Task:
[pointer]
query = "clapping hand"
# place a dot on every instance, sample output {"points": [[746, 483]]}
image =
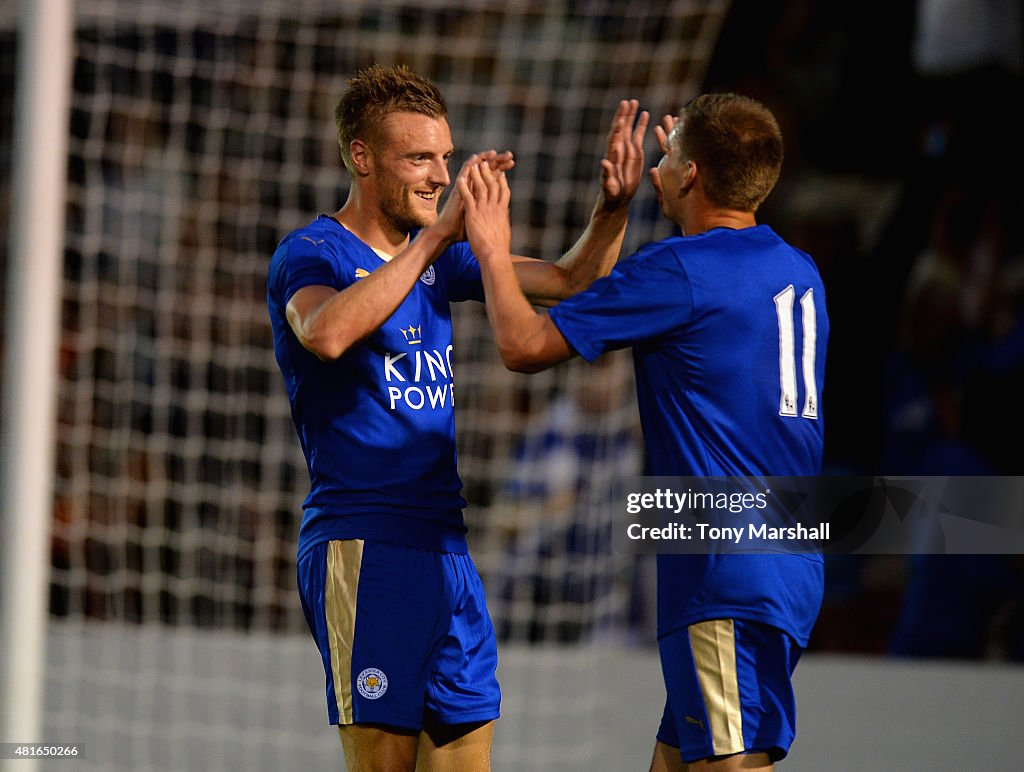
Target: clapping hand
{"points": [[485, 194], [623, 163], [451, 217], [661, 134]]}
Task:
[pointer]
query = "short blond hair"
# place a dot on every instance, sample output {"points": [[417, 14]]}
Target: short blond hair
{"points": [[376, 92], [736, 143]]}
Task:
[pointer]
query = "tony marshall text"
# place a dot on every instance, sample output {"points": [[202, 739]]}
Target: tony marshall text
{"points": [[735, 534]]}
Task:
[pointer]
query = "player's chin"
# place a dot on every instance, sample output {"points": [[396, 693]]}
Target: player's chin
{"points": [[427, 217]]}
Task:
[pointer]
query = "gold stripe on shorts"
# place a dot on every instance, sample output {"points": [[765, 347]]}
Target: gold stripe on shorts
{"points": [[714, 653], [341, 585]]}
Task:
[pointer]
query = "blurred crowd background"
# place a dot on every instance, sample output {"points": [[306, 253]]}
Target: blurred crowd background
{"points": [[902, 179]]}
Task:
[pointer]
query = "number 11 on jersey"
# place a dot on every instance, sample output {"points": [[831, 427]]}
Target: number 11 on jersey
{"points": [[787, 353]]}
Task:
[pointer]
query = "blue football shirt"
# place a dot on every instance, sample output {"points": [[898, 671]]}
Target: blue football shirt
{"points": [[377, 425], [729, 331]]}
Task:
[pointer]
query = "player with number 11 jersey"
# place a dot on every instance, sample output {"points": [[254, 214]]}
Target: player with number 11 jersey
{"points": [[729, 330]]}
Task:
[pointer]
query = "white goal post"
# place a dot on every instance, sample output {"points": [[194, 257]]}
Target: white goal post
{"points": [[30, 360]]}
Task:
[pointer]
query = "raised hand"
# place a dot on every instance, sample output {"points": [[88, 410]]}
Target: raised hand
{"points": [[451, 218], [661, 133], [499, 162], [486, 195], [622, 166]]}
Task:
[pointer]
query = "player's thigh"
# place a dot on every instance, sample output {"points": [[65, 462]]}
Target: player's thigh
{"points": [[371, 748], [729, 691], [667, 759], [455, 747]]}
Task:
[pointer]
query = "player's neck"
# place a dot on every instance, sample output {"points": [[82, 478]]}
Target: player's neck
{"points": [[709, 219], [362, 217]]}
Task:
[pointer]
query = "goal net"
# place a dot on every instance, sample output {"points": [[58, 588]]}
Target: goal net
{"points": [[201, 133]]}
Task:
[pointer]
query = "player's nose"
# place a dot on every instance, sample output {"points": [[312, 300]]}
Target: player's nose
{"points": [[439, 173]]}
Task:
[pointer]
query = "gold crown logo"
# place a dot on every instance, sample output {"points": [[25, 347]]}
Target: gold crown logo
{"points": [[412, 334]]}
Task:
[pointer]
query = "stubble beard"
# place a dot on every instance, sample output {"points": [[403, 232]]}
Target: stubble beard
{"points": [[400, 213]]}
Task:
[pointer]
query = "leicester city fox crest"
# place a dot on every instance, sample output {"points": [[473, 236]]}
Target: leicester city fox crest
{"points": [[372, 683]]}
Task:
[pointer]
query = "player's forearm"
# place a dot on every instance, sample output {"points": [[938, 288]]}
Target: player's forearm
{"points": [[595, 253], [355, 313], [545, 283], [520, 333]]}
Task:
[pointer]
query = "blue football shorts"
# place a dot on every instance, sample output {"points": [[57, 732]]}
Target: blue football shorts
{"points": [[403, 633], [729, 689]]}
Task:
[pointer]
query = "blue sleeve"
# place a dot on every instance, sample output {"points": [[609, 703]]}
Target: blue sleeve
{"points": [[302, 261], [462, 273], [647, 295]]}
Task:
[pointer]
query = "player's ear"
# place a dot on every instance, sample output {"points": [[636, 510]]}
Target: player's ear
{"points": [[361, 157]]}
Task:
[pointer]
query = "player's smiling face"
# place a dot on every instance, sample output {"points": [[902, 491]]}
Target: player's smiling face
{"points": [[411, 169]]}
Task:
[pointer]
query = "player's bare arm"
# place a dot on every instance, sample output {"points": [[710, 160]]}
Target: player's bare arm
{"points": [[526, 340], [598, 248], [328, 322]]}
